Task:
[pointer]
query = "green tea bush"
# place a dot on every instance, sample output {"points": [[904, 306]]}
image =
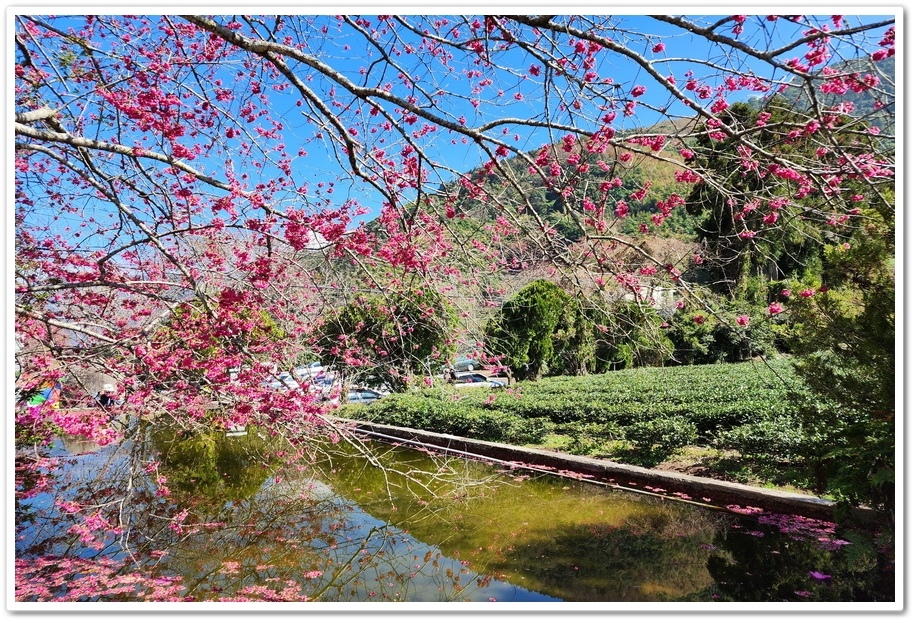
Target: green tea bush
{"points": [[589, 437], [412, 411], [453, 416], [714, 397], [491, 425], [657, 439], [750, 407], [779, 438]]}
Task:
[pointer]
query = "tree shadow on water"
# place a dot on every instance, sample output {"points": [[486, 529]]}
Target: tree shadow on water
{"points": [[761, 563], [596, 562]]}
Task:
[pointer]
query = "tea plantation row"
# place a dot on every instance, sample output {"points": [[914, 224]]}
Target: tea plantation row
{"points": [[641, 415]]}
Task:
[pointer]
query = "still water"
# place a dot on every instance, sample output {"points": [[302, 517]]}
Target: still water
{"points": [[397, 524]]}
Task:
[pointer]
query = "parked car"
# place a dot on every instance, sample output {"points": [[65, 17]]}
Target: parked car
{"points": [[466, 364], [281, 382], [313, 370], [476, 380], [363, 395], [357, 395]]}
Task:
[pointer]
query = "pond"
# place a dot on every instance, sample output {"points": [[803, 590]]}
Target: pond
{"points": [[243, 522]]}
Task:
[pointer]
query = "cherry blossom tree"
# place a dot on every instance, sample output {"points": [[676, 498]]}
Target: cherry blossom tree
{"points": [[194, 194]]}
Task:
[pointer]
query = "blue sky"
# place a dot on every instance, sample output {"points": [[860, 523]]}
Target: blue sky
{"points": [[679, 45], [347, 53]]}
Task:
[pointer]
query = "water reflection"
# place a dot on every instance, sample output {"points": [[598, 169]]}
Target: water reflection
{"points": [[274, 527], [570, 540], [78, 445], [240, 522], [210, 470], [779, 559]]}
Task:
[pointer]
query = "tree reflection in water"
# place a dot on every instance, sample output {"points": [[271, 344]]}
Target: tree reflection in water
{"points": [[781, 558], [240, 522]]}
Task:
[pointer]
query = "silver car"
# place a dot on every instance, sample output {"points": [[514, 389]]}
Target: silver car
{"points": [[476, 380], [363, 395]]}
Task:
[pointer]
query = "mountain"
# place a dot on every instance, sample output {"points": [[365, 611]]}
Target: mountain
{"points": [[877, 104]]}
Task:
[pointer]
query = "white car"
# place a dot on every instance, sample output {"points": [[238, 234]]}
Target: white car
{"points": [[281, 382], [476, 380], [363, 395], [310, 371]]}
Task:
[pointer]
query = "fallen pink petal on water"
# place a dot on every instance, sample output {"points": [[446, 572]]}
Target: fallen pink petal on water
{"points": [[820, 577]]}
